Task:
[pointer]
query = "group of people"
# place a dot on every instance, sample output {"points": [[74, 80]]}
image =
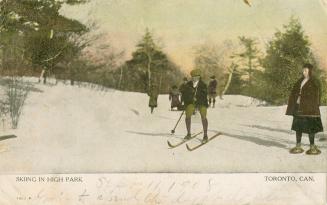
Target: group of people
{"points": [[192, 95], [303, 105], [176, 95]]}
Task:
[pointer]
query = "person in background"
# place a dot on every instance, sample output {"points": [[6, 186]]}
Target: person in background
{"points": [[153, 93], [174, 98], [212, 91], [303, 105]]}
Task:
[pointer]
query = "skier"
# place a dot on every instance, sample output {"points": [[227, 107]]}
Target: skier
{"points": [[182, 90], [303, 105], [174, 98], [195, 96], [153, 94], [212, 91]]}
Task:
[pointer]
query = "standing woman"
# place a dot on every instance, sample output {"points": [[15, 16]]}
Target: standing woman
{"points": [[303, 105]]}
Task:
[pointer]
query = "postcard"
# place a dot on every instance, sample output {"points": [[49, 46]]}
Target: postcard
{"points": [[163, 102]]}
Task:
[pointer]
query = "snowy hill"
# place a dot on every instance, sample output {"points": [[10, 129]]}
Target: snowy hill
{"points": [[66, 129]]}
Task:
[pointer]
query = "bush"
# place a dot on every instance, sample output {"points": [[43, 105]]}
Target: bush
{"points": [[16, 93]]}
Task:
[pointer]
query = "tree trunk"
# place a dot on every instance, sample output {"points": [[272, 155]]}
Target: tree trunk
{"points": [[72, 76], [160, 82], [149, 71], [228, 81], [4, 59], [250, 70], [41, 75], [120, 78]]}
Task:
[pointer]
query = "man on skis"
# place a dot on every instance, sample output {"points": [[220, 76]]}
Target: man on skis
{"points": [[195, 96], [212, 90]]}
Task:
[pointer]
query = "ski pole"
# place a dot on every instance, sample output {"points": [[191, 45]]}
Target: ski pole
{"points": [[173, 130]]}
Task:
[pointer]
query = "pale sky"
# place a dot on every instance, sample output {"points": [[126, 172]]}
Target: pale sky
{"points": [[179, 25]]}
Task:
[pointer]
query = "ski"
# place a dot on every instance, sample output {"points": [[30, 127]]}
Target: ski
{"points": [[5, 137], [183, 141], [203, 143]]}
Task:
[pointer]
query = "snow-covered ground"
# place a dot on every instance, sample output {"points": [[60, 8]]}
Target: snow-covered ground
{"points": [[71, 129]]}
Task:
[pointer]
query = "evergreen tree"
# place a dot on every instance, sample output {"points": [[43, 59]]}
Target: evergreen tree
{"points": [[249, 64], [44, 36], [12, 26], [286, 54], [149, 65]]}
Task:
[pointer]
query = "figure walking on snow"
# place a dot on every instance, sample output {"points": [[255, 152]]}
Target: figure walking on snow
{"points": [[153, 94], [303, 104], [174, 98], [195, 96], [212, 91]]}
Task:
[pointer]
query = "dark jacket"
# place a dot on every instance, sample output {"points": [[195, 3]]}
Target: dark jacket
{"points": [[182, 88], [174, 97], [310, 99], [201, 96], [153, 94], [212, 86]]}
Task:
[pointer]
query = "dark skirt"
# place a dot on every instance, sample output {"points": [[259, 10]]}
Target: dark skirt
{"points": [[306, 124], [175, 101], [153, 101]]}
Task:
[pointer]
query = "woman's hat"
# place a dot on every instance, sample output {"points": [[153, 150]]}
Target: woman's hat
{"points": [[308, 65]]}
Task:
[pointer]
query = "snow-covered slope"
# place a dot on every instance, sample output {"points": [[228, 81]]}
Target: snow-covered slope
{"points": [[66, 129]]}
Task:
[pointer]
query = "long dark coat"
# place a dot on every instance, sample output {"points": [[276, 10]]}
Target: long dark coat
{"points": [[212, 87], [310, 99], [153, 94], [201, 96], [182, 88], [174, 97]]}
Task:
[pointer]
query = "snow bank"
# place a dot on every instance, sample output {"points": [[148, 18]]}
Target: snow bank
{"points": [[69, 129], [239, 101]]}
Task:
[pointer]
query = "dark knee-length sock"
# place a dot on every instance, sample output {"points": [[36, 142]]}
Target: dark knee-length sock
{"points": [[298, 137], [188, 125], [205, 126], [312, 138]]}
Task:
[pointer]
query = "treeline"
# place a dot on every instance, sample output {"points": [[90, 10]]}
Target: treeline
{"points": [[149, 65], [266, 75], [35, 38]]}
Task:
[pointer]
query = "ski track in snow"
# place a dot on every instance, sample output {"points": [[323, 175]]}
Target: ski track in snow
{"points": [[71, 129]]}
